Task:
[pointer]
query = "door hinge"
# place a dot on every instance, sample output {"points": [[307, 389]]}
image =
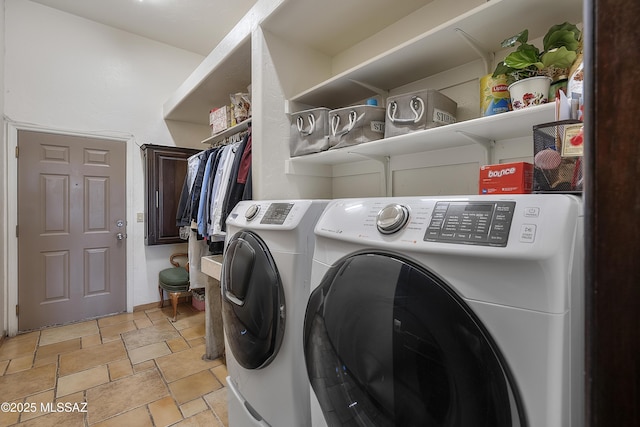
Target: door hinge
{"points": [[17, 233], [17, 310], [17, 152]]}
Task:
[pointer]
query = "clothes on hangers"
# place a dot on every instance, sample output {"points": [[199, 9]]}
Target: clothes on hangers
{"points": [[239, 172], [217, 190], [183, 214], [203, 191], [216, 180], [206, 202]]}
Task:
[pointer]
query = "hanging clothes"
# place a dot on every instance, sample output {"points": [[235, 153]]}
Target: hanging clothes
{"points": [[238, 179], [208, 170], [224, 172], [208, 187], [248, 188], [216, 179], [197, 249], [183, 214], [197, 185]]}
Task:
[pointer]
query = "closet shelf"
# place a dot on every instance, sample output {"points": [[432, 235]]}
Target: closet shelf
{"points": [[225, 71], [514, 124], [242, 126], [441, 48]]}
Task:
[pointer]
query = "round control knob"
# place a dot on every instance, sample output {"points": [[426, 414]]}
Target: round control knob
{"points": [[392, 218], [251, 212]]}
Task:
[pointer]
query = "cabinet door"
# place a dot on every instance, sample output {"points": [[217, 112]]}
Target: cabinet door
{"points": [[165, 171]]}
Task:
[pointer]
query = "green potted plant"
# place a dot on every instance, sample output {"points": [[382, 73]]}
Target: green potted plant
{"points": [[534, 66]]}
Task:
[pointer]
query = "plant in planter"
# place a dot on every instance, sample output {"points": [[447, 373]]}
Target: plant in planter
{"points": [[560, 50]]}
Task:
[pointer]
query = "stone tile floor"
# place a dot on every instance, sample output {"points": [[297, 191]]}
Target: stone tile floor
{"points": [[132, 369]]}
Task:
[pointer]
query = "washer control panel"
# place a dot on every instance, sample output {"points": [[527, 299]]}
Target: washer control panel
{"points": [[251, 212], [392, 218], [521, 222], [276, 213], [479, 223]]}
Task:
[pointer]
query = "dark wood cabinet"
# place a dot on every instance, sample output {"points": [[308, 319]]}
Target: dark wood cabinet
{"points": [[165, 171]]}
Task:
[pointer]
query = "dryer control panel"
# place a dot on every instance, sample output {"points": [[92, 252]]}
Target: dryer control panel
{"points": [[479, 223]]}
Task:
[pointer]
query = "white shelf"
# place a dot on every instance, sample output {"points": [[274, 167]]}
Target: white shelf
{"points": [[211, 266], [333, 53], [227, 70], [441, 48], [229, 132], [513, 124]]}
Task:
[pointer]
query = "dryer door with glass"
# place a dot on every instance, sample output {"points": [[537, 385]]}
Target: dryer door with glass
{"points": [[389, 343], [253, 305]]}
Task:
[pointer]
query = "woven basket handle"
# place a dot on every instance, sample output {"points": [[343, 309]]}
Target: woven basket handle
{"points": [[417, 107]]}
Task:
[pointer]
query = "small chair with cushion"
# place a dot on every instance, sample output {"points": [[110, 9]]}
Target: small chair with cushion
{"points": [[175, 281]]}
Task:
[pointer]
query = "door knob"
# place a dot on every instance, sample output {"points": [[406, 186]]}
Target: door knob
{"points": [[120, 236]]}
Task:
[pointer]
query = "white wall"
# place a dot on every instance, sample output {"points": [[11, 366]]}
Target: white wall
{"points": [[3, 203], [70, 74]]}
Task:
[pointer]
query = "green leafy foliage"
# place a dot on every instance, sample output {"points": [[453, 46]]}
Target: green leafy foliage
{"points": [[559, 52]]}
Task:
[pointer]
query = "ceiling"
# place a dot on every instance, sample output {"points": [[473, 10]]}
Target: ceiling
{"points": [[193, 25]]}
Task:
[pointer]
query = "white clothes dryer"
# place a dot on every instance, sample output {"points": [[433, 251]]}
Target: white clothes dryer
{"points": [[452, 311], [265, 287]]}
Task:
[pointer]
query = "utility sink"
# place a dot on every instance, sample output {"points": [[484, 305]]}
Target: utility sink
{"points": [[211, 266]]}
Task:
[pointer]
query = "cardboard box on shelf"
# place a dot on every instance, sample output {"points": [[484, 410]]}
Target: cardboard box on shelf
{"points": [[506, 178], [219, 119]]}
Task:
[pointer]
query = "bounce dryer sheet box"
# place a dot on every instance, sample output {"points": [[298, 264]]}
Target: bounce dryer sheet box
{"points": [[506, 178]]}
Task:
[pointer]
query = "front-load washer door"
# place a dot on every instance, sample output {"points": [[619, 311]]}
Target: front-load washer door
{"points": [[389, 343], [253, 305]]}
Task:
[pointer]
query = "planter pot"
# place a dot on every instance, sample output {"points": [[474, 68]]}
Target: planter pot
{"points": [[529, 92]]}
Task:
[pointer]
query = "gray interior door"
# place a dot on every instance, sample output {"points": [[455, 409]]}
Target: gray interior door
{"points": [[71, 228]]}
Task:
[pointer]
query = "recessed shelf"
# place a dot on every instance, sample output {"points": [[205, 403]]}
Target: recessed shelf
{"points": [[242, 126], [225, 71], [441, 48], [513, 124]]}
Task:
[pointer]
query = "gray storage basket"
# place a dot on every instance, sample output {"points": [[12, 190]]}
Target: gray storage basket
{"points": [[355, 125], [419, 110], [309, 132]]}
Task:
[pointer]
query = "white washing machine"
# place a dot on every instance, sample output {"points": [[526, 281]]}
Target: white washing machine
{"points": [[454, 311], [265, 287]]}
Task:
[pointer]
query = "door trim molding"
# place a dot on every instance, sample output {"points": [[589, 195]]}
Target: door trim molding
{"points": [[10, 196]]}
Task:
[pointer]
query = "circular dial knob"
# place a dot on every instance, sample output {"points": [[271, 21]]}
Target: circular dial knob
{"points": [[251, 212], [392, 218]]}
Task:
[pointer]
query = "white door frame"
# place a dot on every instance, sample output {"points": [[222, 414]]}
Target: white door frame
{"points": [[11, 215]]}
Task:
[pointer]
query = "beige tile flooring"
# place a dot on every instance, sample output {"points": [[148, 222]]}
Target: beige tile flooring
{"points": [[132, 369]]}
